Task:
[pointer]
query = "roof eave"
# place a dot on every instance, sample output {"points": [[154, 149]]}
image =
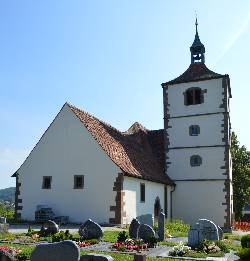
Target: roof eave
{"points": [[169, 182], [195, 80]]}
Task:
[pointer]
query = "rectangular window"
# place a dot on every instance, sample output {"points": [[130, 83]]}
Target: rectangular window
{"points": [[142, 192], [47, 182], [78, 182]]}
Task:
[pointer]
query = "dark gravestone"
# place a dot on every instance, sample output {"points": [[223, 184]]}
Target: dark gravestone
{"points": [[146, 219], [90, 230], [95, 257], [139, 257], [133, 228], [63, 251], [49, 228], [4, 256], [220, 231], [204, 229], [161, 226], [145, 232]]}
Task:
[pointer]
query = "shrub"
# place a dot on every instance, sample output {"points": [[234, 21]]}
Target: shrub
{"points": [[179, 250], [152, 241], [222, 245], [244, 254], [61, 236], [24, 255], [245, 241], [122, 236]]}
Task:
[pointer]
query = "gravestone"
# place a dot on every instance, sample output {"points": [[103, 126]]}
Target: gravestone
{"points": [[208, 230], [145, 232], [95, 257], [63, 251], [193, 235], [2, 220], [146, 219], [220, 232], [204, 229], [139, 257], [161, 226], [4, 228], [49, 228], [4, 256], [90, 230], [133, 228]]}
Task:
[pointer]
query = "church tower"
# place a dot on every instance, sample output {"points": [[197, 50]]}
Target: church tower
{"points": [[197, 142]]}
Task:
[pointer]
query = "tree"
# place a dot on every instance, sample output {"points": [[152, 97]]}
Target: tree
{"points": [[241, 176]]}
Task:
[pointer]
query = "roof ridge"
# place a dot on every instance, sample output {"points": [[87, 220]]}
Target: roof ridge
{"points": [[92, 116]]}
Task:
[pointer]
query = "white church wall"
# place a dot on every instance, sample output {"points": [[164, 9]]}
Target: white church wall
{"points": [[133, 206], [212, 98], [68, 149], [199, 199], [212, 161], [210, 131]]}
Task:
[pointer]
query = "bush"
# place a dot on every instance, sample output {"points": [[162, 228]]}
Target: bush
{"points": [[222, 245], [245, 241], [122, 236], [179, 250], [244, 254], [152, 241], [24, 255], [61, 236]]}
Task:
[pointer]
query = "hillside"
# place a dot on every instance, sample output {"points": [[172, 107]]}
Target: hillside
{"points": [[7, 194]]}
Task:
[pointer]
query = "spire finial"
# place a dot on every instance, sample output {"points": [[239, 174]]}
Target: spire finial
{"points": [[197, 49], [196, 23]]}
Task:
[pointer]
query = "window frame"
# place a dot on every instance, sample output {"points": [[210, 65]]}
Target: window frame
{"points": [[191, 128], [192, 161], [75, 182], [142, 192], [195, 100], [44, 182]]}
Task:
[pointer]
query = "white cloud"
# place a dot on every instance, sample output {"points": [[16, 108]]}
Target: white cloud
{"points": [[234, 38], [10, 161]]}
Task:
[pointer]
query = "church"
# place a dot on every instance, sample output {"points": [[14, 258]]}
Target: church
{"points": [[84, 168]]}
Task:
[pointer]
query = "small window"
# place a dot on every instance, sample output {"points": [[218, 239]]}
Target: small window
{"points": [[194, 130], [78, 182], [195, 160], [47, 182], [193, 96], [142, 192]]}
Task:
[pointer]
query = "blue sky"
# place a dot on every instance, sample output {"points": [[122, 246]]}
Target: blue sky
{"points": [[110, 58]]}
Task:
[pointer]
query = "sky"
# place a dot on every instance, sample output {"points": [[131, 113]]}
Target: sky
{"points": [[109, 58]]}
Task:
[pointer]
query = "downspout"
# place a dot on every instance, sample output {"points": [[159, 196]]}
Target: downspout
{"points": [[171, 202]]}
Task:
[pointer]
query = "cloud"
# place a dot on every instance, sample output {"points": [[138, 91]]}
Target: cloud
{"points": [[10, 161], [234, 38]]}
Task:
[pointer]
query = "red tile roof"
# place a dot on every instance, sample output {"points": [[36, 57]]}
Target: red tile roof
{"points": [[195, 72], [138, 152]]}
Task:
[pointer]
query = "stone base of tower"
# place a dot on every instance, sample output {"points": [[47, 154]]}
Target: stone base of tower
{"points": [[193, 200]]}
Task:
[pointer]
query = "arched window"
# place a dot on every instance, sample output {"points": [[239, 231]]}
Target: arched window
{"points": [[195, 160], [194, 130], [193, 96]]}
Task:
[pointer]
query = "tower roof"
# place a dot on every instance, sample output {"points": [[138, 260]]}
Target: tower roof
{"points": [[195, 72]]}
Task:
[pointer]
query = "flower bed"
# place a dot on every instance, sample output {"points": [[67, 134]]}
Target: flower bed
{"points": [[243, 226], [130, 245]]}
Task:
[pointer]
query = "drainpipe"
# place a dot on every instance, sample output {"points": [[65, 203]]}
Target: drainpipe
{"points": [[171, 202]]}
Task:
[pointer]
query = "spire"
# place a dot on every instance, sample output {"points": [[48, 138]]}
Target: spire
{"points": [[197, 49]]}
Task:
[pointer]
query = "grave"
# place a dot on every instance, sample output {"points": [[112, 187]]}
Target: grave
{"points": [[203, 229], [146, 219], [133, 228], [63, 251], [90, 230], [145, 232]]}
